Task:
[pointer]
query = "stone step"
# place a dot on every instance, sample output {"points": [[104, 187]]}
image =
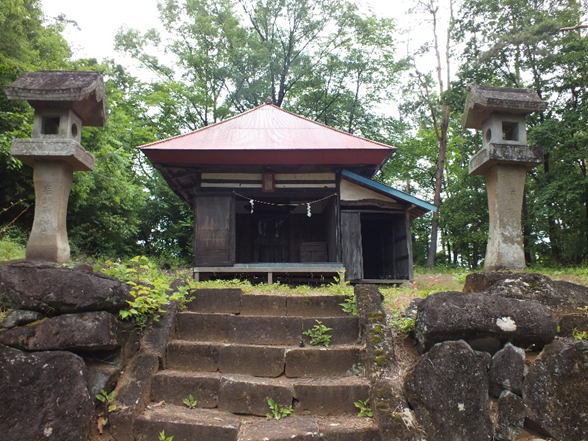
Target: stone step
{"points": [[211, 425], [242, 394], [269, 330], [186, 424], [234, 301], [265, 361], [311, 428]]}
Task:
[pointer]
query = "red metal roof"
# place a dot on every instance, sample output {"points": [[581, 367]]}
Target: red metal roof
{"points": [[268, 135]]}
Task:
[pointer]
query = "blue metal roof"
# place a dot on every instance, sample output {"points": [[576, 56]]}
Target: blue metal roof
{"points": [[387, 190]]}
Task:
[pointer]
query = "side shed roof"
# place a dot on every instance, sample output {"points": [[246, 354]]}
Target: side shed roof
{"points": [[420, 207]]}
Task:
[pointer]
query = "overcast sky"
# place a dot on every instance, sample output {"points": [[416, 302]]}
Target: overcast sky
{"points": [[99, 21]]}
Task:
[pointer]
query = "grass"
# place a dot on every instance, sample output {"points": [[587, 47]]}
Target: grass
{"points": [[10, 250]]}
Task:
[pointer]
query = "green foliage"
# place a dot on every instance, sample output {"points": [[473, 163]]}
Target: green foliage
{"points": [[278, 412], [324, 59], [190, 402], [319, 335], [402, 324], [350, 304], [10, 250], [108, 399], [580, 335], [27, 43], [365, 410], [162, 437], [150, 289]]}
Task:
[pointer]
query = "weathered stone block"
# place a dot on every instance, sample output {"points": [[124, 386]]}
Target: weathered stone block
{"points": [[315, 306], [49, 289], [132, 394], [218, 301], [345, 330], [349, 429], [511, 417], [158, 334], [507, 371], [252, 304], [21, 317], [174, 386], [330, 397], [324, 362], [448, 390], [560, 297], [369, 300], [471, 317], [297, 428], [258, 361], [44, 396], [392, 413], [264, 330], [556, 390], [194, 356], [186, 424], [91, 331], [571, 323], [248, 395], [203, 327]]}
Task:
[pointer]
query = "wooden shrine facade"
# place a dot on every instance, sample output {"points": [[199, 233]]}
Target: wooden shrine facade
{"points": [[289, 210]]}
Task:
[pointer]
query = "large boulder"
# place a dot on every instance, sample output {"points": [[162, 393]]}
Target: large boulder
{"points": [[480, 319], [53, 290], [44, 396], [448, 390], [90, 331], [556, 390], [561, 297]]}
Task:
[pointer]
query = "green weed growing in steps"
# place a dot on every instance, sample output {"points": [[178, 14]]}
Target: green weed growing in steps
{"points": [[107, 399], [190, 402], [150, 289], [350, 304], [365, 410], [580, 335], [278, 412], [162, 437], [404, 325], [319, 334]]}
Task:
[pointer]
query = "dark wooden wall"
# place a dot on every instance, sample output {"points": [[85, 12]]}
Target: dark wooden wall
{"points": [[214, 234]]}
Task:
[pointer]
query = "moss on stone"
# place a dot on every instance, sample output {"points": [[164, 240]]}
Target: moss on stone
{"points": [[375, 317], [381, 361]]}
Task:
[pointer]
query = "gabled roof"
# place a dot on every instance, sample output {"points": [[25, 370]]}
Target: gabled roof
{"points": [[268, 135], [420, 207]]}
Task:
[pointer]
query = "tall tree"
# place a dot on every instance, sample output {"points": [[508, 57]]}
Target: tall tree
{"points": [[323, 59], [438, 109]]}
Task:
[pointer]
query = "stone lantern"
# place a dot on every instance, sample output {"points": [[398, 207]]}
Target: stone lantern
{"points": [[63, 101], [503, 160]]}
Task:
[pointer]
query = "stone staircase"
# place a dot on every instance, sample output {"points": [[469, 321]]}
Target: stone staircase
{"points": [[232, 352]]}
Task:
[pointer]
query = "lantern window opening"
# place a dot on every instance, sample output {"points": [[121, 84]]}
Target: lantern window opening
{"points": [[50, 125], [510, 131]]}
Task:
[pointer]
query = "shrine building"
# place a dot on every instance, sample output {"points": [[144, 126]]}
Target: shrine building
{"points": [[278, 195]]}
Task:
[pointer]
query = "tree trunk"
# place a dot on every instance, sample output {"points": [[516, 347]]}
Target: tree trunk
{"points": [[438, 182]]}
